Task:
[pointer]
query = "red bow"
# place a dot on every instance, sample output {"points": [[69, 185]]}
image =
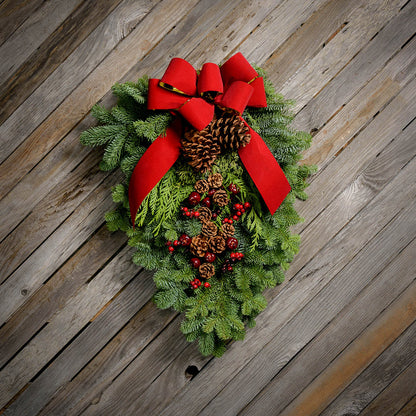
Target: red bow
{"points": [[235, 85]]}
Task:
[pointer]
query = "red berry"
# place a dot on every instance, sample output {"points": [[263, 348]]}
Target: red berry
{"points": [[176, 243], [194, 198], [239, 213], [247, 205], [171, 249], [211, 192], [185, 209], [235, 218], [214, 215], [210, 257], [206, 284], [198, 282], [188, 213], [168, 243], [230, 221], [232, 255], [242, 210], [232, 243], [195, 262], [185, 240], [206, 202], [196, 214], [233, 188], [194, 286], [225, 220], [230, 268]]}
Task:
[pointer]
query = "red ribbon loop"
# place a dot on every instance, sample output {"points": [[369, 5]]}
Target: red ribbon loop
{"points": [[210, 80], [181, 75], [235, 85]]}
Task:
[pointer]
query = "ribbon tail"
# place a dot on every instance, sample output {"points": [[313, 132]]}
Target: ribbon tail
{"points": [[265, 172], [153, 165]]}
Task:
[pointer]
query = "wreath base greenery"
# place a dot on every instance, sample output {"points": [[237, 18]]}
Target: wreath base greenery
{"points": [[219, 313]]}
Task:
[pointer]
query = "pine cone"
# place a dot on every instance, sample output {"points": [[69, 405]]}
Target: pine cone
{"points": [[201, 186], [206, 270], [227, 230], [217, 244], [205, 214], [209, 229], [200, 148], [199, 245], [215, 180], [230, 131], [221, 198]]}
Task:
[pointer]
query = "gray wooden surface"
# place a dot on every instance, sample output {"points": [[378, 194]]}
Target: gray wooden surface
{"points": [[79, 333]]}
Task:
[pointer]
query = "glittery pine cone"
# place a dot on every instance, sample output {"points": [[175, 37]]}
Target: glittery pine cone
{"points": [[205, 214], [199, 245], [200, 148], [221, 198], [227, 230], [206, 270], [209, 229], [215, 180], [217, 244], [201, 186]]}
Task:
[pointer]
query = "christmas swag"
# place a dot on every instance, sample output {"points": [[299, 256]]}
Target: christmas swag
{"points": [[211, 167]]}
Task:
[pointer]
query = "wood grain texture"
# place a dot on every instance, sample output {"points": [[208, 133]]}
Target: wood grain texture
{"points": [[396, 395], [360, 110], [86, 387], [372, 382], [51, 53], [61, 83], [79, 333], [87, 344], [40, 307], [32, 33], [335, 337], [66, 323], [408, 409], [13, 13], [340, 50], [365, 349], [372, 58]]}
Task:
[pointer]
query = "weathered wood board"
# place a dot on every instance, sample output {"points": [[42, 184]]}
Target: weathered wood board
{"points": [[79, 333]]}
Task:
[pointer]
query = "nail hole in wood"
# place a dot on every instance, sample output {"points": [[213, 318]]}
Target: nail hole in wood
{"points": [[191, 371]]}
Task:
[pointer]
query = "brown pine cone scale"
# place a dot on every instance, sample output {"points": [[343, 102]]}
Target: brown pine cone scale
{"points": [[199, 245], [209, 229], [206, 270]]}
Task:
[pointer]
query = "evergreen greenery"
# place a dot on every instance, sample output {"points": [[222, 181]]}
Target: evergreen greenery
{"points": [[216, 315]]}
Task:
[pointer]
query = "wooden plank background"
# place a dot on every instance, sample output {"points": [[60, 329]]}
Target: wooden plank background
{"points": [[78, 331]]}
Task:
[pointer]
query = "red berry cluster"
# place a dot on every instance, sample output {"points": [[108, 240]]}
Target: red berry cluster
{"points": [[189, 212], [228, 264], [197, 199], [238, 211], [196, 283], [184, 240]]}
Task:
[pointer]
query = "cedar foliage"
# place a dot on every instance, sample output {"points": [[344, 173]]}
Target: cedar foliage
{"points": [[218, 314]]}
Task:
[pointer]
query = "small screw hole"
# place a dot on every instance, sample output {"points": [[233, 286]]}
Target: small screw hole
{"points": [[191, 371]]}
